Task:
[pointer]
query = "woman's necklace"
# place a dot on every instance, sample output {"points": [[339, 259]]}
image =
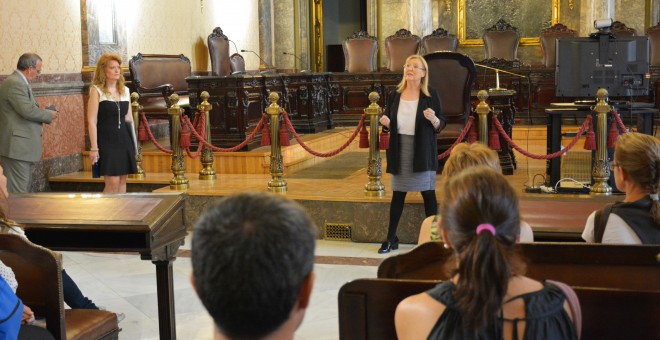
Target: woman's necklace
{"points": [[118, 111]]}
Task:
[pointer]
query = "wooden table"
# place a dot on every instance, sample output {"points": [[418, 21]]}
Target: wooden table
{"points": [[152, 225]]}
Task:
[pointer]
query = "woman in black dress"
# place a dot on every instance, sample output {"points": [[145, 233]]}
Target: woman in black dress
{"points": [[413, 116], [110, 119]]}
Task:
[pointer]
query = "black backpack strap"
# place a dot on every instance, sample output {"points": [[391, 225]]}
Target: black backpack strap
{"points": [[600, 221]]}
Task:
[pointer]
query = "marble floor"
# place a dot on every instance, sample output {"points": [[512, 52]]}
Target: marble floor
{"points": [[124, 283]]}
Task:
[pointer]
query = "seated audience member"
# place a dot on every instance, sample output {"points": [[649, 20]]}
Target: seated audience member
{"points": [[488, 297], [635, 220], [464, 156], [252, 258], [73, 297], [15, 317]]}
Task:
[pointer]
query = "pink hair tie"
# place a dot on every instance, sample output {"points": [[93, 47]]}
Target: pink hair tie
{"points": [[486, 226]]}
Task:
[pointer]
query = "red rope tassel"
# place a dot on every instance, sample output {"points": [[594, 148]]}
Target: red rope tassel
{"points": [[265, 135], [284, 136], [612, 135], [472, 134], [590, 141], [142, 133], [184, 136], [384, 140], [493, 138], [364, 138]]}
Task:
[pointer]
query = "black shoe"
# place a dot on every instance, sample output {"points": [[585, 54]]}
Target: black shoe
{"points": [[387, 246]]}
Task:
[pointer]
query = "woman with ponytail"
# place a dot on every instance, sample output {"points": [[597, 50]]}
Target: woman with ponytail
{"points": [[635, 220], [487, 297]]}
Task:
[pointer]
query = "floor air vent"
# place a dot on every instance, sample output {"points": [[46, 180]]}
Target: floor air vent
{"points": [[337, 232]]}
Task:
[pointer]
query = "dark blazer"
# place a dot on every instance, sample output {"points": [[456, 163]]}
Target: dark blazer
{"points": [[21, 120], [426, 146]]}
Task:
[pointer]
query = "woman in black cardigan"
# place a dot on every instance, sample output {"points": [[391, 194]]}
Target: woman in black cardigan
{"points": [[413, 116]]}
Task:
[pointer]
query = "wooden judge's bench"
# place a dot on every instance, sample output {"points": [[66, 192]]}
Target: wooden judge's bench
{"points": [[316, 101]]}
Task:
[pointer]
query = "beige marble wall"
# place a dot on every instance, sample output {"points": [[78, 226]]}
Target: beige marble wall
{"points": [[239, 21], [49, 28], [631, 13]]}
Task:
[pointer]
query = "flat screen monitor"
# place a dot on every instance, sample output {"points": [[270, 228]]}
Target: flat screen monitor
{"points": [[620, 65]]}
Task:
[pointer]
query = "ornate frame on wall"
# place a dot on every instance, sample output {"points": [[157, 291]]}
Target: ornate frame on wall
{"points": [[92, 47], [463, 24]]}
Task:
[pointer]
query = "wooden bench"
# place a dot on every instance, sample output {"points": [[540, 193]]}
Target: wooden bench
{"points": [[157, 76], [367, 306], [578, 264], [559, 219]]}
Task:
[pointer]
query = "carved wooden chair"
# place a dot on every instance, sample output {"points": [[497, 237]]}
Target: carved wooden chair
{"points": [[620, 30], [219, 52], [452, 75], [439, 40], [156, 77], [501, 41], [237, 64], [399, 47], [39, 274], [548, 39], [360, 52], [654, 41]]}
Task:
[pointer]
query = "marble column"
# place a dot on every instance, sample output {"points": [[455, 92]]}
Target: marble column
{"points": [[593, 10], [266, 31], [372, 17], [421, 17]]}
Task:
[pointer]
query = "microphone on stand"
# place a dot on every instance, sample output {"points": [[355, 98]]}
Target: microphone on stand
{"points": [[263, 67], [302, 63], [497, 76]]}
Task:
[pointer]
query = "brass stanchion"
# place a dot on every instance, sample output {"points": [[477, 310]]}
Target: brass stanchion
{"points": [[482, 111], [374, 188], [136, 108], [601, 170], [207, 172], [276, 184], [179, 181]]}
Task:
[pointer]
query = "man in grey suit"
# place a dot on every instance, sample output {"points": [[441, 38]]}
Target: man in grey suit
{"points": [[21, 120]]}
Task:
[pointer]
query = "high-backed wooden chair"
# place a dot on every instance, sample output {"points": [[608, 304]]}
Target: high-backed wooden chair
{"points": [[360, 52], [439, 40], [237, 64], [400, 46], [501, 41], [156, 77], [452, 75], [39, 275], [548, 39], [219, 52], [620, 30], [654, 41]]}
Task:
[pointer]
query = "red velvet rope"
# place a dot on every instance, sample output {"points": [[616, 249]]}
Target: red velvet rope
{"points": [[200, 122], [465, 131], [322, 154], [232, 149], [535, 156], [151, 135], [622, 127]]}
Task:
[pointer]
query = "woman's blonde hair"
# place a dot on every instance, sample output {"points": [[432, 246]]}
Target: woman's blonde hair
{"points": [[99, 74], [465, 155], [425, 79], [639, 156]]}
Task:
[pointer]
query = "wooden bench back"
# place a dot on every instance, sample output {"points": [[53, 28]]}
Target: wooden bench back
{"points": [[557, 220], [577, 264], [367, 306]]}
